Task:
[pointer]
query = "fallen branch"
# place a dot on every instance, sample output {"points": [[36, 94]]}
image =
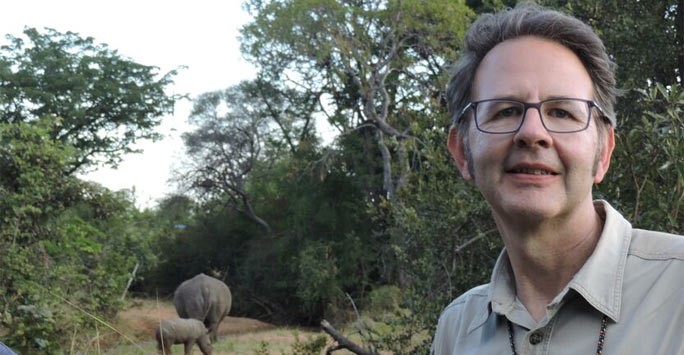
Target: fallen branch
{"points": [[343, 342], [130, 280]]}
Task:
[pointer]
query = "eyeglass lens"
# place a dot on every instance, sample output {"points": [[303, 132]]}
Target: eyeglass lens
{"points": [[561, 115]]}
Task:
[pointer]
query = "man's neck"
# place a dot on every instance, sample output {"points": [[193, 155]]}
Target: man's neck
{"points": [[546, 256]]}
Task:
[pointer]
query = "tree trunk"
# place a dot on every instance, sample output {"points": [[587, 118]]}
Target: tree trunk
{"points": [[249, 211], [387, 183], [680, 40], [402, 157]]}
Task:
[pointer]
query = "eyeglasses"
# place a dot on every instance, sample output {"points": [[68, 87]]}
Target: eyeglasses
{"points": [[565, 115]]}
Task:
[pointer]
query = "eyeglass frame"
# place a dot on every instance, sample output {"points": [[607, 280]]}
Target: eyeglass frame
{"points": [[526, 105]]}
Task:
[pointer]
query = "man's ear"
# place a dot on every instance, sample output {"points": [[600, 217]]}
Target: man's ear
{"points": [[457, 148], [606, 153]]}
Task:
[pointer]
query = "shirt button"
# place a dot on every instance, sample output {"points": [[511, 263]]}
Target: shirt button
{"points": [[536, 338]]}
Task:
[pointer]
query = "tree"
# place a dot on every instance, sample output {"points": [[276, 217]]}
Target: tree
{"points": [[374, 62], [33, 187], [647, 178], [69, 246], [49, 254], [238, 127], [225, 147], [102, 101], [627, 29]]}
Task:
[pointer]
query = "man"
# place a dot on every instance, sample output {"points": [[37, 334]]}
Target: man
{"points": [[533, 101]]}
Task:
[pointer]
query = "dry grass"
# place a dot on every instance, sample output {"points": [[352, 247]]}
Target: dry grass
{"points": [[279, 342], [239, 336], [236, 335]]}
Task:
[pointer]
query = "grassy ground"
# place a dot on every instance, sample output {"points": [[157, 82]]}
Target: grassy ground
{"points": [[240, 336], [275, 342], [236, 335]]}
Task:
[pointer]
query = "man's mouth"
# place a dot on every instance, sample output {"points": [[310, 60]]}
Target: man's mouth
{"points": [[532, 171]]}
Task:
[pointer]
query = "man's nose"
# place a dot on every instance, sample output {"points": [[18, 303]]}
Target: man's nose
{"points": [[532, 131]]}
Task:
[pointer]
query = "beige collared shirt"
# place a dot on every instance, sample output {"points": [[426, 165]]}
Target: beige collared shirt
{"points": [[635, 277]]}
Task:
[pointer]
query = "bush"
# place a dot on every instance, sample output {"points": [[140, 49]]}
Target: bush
{"points": [[383, 299]]}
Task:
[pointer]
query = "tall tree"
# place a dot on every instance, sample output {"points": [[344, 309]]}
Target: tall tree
{"points": [[224, 148], [374, 62], [236, 129], [103, 101]]}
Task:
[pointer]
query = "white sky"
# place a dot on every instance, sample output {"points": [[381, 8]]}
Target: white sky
{"points": [[199, 34]]}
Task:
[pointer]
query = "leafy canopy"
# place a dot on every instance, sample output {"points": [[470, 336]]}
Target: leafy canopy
{"points": [[102, 101]]}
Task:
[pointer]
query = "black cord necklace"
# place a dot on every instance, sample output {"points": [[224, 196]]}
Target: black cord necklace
{"points": [[599, 346]]}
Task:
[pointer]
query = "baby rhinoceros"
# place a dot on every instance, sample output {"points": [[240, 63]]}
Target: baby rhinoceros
{"points": [[186, 331]]}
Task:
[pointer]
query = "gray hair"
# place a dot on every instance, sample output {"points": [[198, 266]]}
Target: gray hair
{"points": [[532, 20]]}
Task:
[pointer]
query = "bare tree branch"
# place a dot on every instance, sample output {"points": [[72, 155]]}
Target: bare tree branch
{"points": [[343, 342]]}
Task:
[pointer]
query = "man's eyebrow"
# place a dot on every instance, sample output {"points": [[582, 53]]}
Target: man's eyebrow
{"points": [[509, 97], [506, 97], [550, 97], [555, 97]]}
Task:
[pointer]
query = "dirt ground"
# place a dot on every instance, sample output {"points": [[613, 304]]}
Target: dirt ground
{"points": [[246, 334], [144, 318]]}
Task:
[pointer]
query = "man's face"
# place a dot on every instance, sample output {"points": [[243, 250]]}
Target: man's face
{"points": [[532, 172]]}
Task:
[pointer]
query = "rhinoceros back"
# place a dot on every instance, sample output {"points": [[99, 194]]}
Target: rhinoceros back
{"points": [[203, 298]]}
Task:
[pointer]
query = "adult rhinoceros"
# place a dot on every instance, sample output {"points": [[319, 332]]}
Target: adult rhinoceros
{"points": [[203, 298]]}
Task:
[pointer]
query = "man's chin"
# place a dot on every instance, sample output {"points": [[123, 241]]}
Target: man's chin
{"points": [[526, 211]]}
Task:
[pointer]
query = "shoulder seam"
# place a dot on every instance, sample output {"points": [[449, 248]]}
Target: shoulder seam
{"points": [[654, 250], [655, 256], [465, 296]]}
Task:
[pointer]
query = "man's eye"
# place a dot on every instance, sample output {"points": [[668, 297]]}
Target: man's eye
{"points": [[558, 113], [509, 112]]}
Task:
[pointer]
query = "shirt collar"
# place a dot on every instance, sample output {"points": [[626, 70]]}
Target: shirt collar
{"points": [[500, 293], [599, 281], [502, 285]]}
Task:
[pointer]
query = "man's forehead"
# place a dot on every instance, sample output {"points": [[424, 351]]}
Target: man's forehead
{"points": [[531, 67]]}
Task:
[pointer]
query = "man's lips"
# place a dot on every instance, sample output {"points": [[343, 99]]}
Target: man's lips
{"points": [[531, 169]]}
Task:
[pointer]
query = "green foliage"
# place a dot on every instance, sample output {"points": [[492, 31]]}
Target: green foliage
{"points": [[377, 64], [263, 349], [383, 299], [103, 101], [318, 280], [28, 312], [443, 241], [67, 246], [317, 248], [627, 29], [312, 346], [32, 183], [32, 190], [647, 158], [235, 131]]}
